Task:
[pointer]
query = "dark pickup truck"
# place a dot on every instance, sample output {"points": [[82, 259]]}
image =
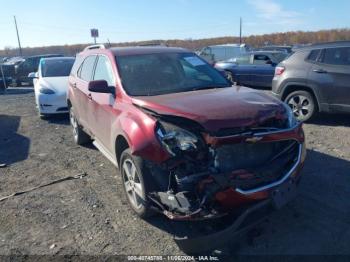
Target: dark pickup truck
{"points": [[18, 71]]}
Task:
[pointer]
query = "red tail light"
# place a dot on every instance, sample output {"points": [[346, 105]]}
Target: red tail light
{"points": [[279, 70]]}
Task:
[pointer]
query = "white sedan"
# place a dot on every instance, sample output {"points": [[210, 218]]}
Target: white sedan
{"points": [[51, 85]]}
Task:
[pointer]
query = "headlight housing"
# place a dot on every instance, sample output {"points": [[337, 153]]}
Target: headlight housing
{"points": [[175, 139], [46, 91], [292, 121]]}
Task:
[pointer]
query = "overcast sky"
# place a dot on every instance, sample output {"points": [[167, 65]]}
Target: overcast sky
{"points": [[57, 22]]}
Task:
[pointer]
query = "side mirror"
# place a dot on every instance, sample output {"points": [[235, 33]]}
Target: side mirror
{"points": [[100, 86], [33, 75]]}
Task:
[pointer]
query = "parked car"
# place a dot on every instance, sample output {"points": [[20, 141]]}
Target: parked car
{"points": [[18, 69], [4, 82], [188, 144], [215, 53], [315, 79], [4, 59], [280, 48], [255, 69], [51, 85]]}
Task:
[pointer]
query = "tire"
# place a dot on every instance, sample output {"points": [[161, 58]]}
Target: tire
{"points": [[18, 83], [80, 137], [137, 183], [303, 104]]}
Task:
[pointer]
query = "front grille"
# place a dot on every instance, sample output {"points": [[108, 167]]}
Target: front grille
{"points": [[267, 162], [9, 70]]}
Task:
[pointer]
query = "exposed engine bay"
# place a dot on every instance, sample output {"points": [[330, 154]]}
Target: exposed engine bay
{"points": [[207, 173]]}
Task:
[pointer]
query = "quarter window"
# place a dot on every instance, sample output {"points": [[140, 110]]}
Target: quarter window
{"points": [[337, 56], [85, 72], [104, 71], [314, 55]]}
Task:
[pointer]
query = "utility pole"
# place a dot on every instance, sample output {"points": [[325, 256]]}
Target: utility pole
{"points": [[240, 30], [19, 42]]}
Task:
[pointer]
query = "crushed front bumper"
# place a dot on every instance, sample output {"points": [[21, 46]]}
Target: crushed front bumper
{"points": [[256, 214], [248, 219]]}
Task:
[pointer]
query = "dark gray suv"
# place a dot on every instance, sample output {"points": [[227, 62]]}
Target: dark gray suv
{"points": [[315, 79]]}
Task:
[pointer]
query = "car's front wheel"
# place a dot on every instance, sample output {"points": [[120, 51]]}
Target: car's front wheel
{"points": [[80, 137], [136, 182], [303, 105]]}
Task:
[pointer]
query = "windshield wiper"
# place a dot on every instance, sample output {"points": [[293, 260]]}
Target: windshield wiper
{"points": [[209, 87]]}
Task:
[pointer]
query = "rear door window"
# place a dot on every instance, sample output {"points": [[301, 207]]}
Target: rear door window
{"points": [[87, 68], [337, 56]]}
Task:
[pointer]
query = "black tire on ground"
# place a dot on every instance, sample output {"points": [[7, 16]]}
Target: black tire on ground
{"points": [[303, 104], [80, 137], [18, 83], [137, 183]]}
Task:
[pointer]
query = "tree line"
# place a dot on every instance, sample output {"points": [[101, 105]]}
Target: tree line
{"points": [[288, 38]]}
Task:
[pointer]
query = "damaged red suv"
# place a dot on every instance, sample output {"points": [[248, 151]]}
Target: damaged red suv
{"points": [[188, 144]]}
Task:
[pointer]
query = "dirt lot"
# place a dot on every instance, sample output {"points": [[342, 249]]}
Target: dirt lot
{"points": [[91, 215]]}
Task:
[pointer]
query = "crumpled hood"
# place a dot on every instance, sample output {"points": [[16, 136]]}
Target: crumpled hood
{"points": [[217, 109]]}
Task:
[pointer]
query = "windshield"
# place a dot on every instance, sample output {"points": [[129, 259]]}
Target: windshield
{"points": [[165, 73], [56, 67]]}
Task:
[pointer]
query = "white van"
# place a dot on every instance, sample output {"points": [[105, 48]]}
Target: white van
{"points": [[217, 53]]}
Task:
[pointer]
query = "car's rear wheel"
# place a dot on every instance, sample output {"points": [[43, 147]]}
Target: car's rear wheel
{"points": [[136, 182], [303, 105], [80, 137]]}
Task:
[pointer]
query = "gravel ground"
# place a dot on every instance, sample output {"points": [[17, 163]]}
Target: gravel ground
{"points": [[90, 216]]}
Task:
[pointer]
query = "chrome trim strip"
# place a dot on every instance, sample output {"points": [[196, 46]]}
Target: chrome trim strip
{"points": [[261, 133], [277, 183]]}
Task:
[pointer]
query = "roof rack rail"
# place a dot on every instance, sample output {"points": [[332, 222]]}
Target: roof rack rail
{"points": [[154, 44], [91, 47]]}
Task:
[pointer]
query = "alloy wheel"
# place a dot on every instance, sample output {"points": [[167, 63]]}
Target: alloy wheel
{"points": [[74, 124], [301, 106], [132, 184]]}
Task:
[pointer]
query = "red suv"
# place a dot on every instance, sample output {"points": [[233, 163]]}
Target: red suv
{"points": [[187, 143]]}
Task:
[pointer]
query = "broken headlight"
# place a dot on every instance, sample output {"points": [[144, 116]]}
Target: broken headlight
{"points": [[175, 139]]}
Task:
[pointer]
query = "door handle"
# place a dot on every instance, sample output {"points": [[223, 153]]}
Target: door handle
{"points": [[89, 96], [320, 71]]}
